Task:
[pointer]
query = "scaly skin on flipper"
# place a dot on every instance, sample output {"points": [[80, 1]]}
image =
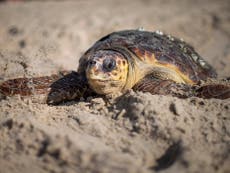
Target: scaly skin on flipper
{"points": [[28, 86], [212, 89], [70, 87], [58, 88], [164, 87]]}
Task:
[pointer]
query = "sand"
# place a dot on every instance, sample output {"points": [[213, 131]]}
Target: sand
{"points": [[137, 132]]}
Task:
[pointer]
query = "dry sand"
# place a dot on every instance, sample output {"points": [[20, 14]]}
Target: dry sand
{"points": [[138, 132]]}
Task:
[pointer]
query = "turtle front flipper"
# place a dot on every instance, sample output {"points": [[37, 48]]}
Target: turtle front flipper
{"points": [[56, 88], [29, 86], [211, 89], [164, 87], [71, 86]]}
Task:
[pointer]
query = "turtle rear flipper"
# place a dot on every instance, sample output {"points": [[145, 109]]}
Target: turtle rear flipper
{"points": [[214, 89]]}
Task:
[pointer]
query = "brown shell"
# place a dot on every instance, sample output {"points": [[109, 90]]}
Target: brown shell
{"points": [[157, 49]]}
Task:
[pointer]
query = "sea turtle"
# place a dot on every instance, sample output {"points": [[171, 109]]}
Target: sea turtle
{"points": [[131, 59]]}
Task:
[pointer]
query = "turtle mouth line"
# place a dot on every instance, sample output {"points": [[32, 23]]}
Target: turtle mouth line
{"points": [[100, 80]]}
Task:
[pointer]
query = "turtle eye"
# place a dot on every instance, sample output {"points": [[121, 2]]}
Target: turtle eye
{"points": [[109, 64]]}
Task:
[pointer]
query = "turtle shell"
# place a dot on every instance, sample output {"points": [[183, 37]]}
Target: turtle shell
{"points": [[156, 49]]}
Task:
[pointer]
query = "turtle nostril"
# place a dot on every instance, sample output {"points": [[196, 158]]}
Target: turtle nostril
{"points": [[92, 63], [109, 64]]}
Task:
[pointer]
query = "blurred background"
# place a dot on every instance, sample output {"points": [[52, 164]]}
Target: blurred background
{"points": [[43, 37]]}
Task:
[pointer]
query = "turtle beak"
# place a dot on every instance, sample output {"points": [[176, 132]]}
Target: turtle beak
{"points": [[94, 69]]}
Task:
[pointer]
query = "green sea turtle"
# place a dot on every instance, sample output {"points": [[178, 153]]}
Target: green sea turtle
{"points": [[130, 59]]}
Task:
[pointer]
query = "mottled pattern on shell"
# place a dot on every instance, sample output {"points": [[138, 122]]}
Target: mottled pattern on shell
{"points": [[156, 47]]}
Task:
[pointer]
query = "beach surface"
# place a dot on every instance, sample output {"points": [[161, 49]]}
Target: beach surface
{"points": [[135, 133]]}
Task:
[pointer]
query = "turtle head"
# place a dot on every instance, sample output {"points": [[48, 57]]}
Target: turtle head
{"points": [[107, 71]]}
